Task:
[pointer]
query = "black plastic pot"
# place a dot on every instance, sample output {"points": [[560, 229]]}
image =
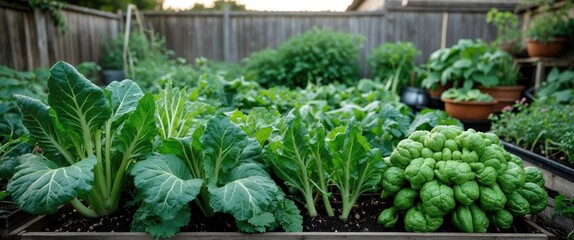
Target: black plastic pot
{"points": [[415, 98], [542, 162], [112, 75]]}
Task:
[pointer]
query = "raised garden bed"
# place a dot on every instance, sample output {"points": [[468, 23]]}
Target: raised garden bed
{"points": [[361, 225], [11, 217]]}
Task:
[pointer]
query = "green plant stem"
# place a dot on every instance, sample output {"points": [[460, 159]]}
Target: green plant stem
{"points": [[82, 209], [323, 187], [346, 204], [99, 171], [114, 196], [107, 152]]}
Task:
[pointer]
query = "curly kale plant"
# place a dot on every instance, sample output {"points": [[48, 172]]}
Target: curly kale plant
{"points": [[466, 175]]}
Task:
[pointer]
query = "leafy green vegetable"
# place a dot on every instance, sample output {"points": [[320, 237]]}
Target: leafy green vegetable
{"points": [[388, 217], [437, 198], [420, 171], [417, 220], [466, 193], [222, 170], [502, 219], [298, 163], [76, 134], [356, 167], [470, 219], [492, 198], [464, 174], [534, 175]]}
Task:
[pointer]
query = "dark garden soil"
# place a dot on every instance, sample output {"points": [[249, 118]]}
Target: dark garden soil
{"points": [[363, 218]]}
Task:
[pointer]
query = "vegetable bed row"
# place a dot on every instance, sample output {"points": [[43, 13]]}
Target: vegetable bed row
{"points": [[93, 141]]}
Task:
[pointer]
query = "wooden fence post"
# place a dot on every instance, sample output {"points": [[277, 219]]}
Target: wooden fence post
{"points": [[42, 35], [226, 33]]}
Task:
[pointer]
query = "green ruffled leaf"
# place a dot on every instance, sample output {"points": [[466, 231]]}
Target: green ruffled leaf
{"points": [[166, 184], [39, 186]]}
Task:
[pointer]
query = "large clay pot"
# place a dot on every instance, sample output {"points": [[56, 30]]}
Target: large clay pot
{"points": [[548, 49], [469, 111], [416, 98], [439, 90], [506, 95]]}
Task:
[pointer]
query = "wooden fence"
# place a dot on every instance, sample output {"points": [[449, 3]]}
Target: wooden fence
{"points": [[28, 38], [230, 36]]}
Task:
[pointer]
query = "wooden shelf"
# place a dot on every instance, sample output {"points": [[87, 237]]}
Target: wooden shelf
{"points": [[541, 63]]}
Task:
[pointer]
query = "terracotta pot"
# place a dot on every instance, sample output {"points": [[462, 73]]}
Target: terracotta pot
{"points": [[549, 49], [439, 90], [506, 95], [469, 111], [508, 47]]}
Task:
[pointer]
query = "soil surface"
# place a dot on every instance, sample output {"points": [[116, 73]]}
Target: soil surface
{"points": [[363, 218]]}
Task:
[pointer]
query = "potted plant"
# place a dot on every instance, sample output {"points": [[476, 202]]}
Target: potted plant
{"points": [[468, 105], [112, 60], [506, 91], [414, 95], [548, 33], [507, 31], [463, 65]]}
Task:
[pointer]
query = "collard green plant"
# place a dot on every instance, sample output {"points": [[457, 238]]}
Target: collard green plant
{"points": [[219, 168], [300, 159], [355, 167], [89, 136]]}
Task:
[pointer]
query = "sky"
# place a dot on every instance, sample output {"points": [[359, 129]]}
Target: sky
{"points": [[272, 5]]}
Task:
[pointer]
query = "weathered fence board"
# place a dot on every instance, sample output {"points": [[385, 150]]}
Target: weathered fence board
{"points": [[29, 38]]}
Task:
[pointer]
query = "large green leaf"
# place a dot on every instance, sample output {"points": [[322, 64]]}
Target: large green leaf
{"points": [[188, 149], [349, 149], [80, 105], [225, 147], [144, 220], [250, 194], [124, 97], [39, 186], [356, 167], [166, 184], [36, 117], [138, 131], [291, 156]]}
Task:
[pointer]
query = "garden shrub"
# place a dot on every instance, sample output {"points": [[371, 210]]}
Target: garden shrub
{"points": [[316, 56], [387, 58]]}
